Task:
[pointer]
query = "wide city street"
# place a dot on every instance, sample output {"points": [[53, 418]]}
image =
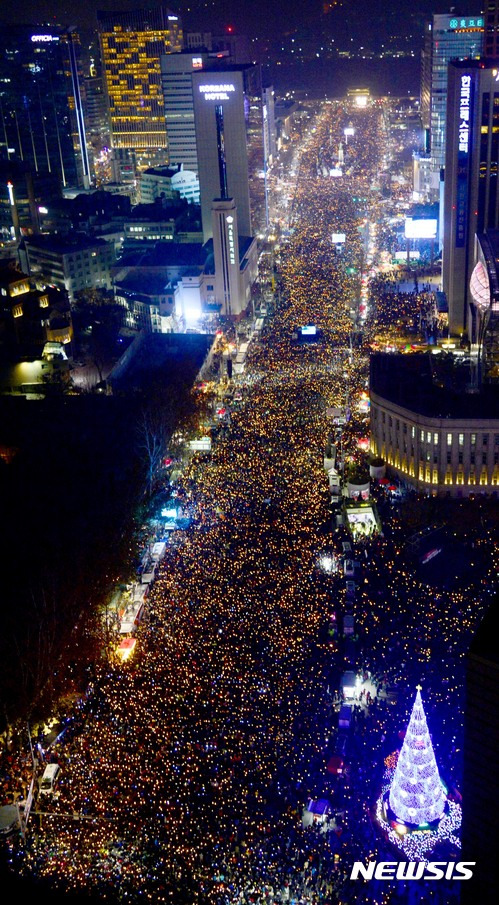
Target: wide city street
{"points": [[190, 770]]}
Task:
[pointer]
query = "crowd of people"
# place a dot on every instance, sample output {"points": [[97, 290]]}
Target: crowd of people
{"points": [[185, 770]]}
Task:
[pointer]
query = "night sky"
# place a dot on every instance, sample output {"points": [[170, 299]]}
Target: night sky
{"points": [[255, 18]]}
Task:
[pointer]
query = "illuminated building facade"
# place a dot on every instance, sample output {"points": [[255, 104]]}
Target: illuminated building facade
{"points": [[176, 80], [219, 111], [168, 182], [447, 37], [491, 48], [131, 47], [471, 196], [269, 129], [226, 252], [72, 262], [42, 121], [438, 440], [32, 313], [483, 326]]}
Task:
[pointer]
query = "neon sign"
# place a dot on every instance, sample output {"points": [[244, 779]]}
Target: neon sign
{"points": [[39, 39], [465, 117], [464, 113], [217, 92], [466, 23], [230, 235]]}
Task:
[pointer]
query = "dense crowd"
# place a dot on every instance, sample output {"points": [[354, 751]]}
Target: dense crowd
{"points": [[185, 771]]}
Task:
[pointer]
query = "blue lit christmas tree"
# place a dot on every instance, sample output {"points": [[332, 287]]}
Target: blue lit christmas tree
{"points": [[417, 797]]}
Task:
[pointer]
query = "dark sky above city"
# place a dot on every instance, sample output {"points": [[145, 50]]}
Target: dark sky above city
{"points": [[258, 17]]}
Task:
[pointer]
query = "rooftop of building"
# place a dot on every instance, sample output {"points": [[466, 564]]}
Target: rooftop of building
{"points": [[180, 254], [9, 275], [165, 171], [143, 284], [64, 244], [434, 386], [161, 209], [166, 254], [481, 63], [162, 357]]}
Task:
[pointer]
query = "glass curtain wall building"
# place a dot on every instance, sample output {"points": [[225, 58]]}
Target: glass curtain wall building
{"points": [[41, 115], [132, 43], [447, 37]]}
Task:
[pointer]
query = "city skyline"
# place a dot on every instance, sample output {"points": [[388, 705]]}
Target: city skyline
{"points": [[230, 13]]}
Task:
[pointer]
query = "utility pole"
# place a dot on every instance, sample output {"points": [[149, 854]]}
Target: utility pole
{"points": [[31, 748]]}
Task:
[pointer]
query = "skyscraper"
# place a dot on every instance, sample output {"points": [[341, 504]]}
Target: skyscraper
{"points": [[219, 111], [176, 81], [41, 112], [471, 197], [132, 43], [491, 46], [447, 37]]}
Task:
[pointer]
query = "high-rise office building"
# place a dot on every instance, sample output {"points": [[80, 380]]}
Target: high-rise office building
{"points": [[236, 47], [95, 109], [231, 46], [132, 43], [176, 80], [41, 108], [491, 45], [447, 37], [269, 130], [220, 121], [471, 197]]}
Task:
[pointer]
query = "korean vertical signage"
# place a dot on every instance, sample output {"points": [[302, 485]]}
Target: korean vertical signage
{"points": [[464, 147]]}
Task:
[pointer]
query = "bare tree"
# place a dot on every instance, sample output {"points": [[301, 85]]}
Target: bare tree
{"points": [[153, 437], [162, 415]]}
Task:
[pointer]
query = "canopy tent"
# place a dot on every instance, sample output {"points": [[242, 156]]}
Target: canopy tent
{"points": [[320, 807], [335, 765]]}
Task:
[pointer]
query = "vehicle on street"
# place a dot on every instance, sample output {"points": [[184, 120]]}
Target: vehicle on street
{"points": [[49, 779], [345, 716]]}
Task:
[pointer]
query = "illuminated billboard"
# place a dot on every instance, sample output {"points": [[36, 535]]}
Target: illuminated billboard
{"points": [[402, 255], [309, 330], [464, 135], [420, 229]]}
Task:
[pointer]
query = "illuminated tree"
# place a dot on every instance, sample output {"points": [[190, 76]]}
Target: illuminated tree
{"points": [[416, 793]]}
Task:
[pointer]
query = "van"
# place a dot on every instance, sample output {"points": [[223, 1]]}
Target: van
{"points": [[345, 716], [49, 779]]}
